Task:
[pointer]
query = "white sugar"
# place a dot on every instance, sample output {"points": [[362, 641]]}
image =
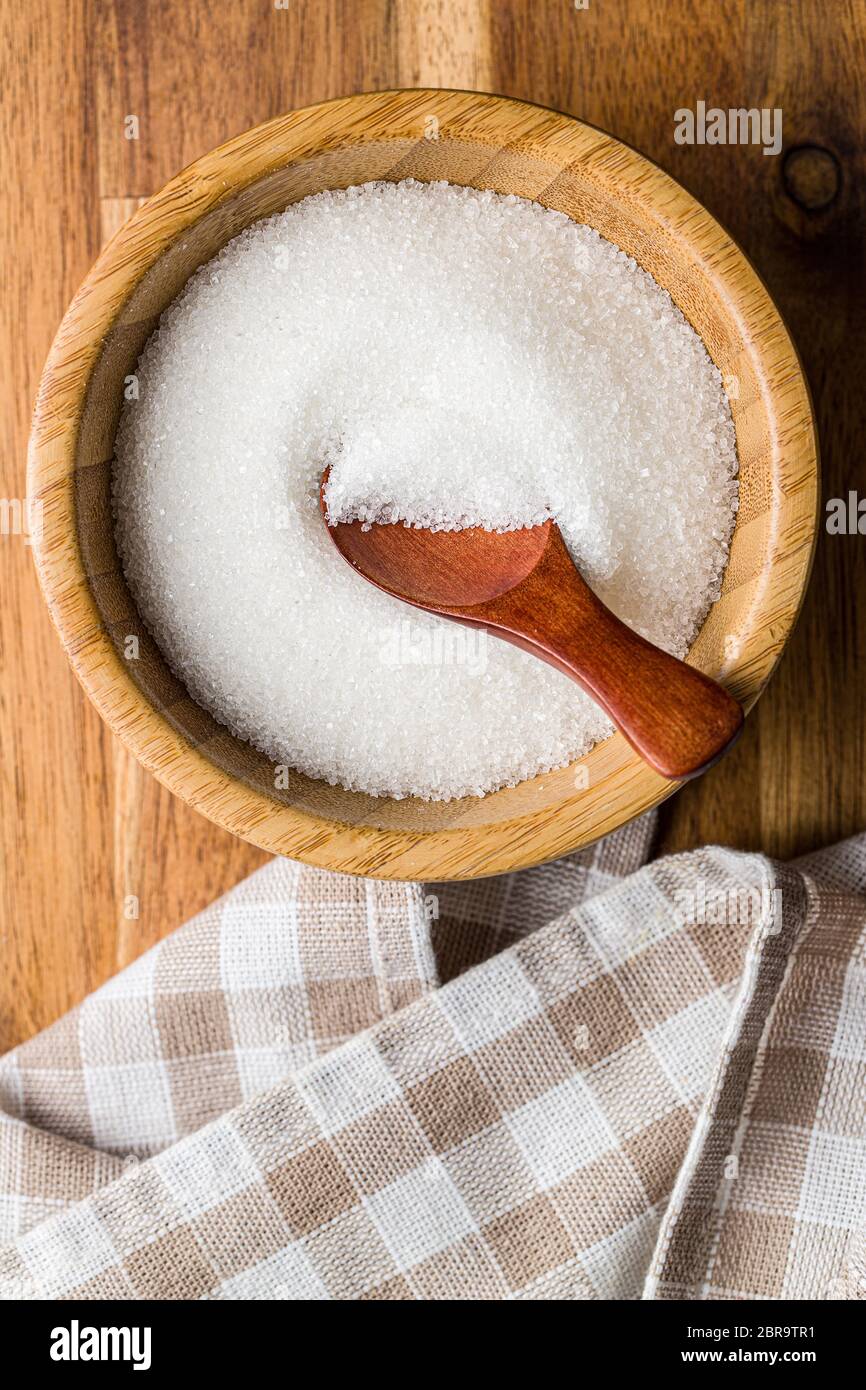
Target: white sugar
{"points": [[460, 358]]}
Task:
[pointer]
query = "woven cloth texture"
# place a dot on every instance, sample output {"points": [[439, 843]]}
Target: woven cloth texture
{"points": [[598, 1079]]}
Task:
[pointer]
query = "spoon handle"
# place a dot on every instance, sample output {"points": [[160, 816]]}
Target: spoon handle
{"points": [[678, 719]]}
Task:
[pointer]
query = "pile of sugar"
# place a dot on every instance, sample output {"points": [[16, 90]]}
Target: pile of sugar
{"points": [[459, 358]]}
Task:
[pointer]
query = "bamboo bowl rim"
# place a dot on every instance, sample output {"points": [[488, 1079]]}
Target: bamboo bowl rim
{"points": [[617, 786]]}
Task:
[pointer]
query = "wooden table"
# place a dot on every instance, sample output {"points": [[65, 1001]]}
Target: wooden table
{"points": [[82, 826]]}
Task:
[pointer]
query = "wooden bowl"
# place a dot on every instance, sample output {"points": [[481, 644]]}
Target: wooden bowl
{"points": [[466, 138]]}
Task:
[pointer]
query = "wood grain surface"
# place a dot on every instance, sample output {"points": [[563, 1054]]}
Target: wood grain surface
{"points": [[84, 830]]}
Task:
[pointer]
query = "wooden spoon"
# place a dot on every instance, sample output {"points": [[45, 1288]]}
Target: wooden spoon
{"points": [[524, 586]]}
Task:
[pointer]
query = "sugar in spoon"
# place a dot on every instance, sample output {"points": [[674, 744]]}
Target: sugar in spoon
{"points": [[524, 586]]}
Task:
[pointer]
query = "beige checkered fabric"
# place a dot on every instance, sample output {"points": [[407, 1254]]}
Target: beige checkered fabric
{"points": [[590, 1081]]}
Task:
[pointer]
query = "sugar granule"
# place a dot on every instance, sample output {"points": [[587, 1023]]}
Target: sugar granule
{"points": [[459, 358]]}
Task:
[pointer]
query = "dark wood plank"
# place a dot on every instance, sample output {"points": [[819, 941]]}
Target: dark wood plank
{"points": [[797, 779]]}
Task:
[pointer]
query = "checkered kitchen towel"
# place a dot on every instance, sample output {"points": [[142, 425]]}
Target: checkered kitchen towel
{"points": [[591, 1080]]}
